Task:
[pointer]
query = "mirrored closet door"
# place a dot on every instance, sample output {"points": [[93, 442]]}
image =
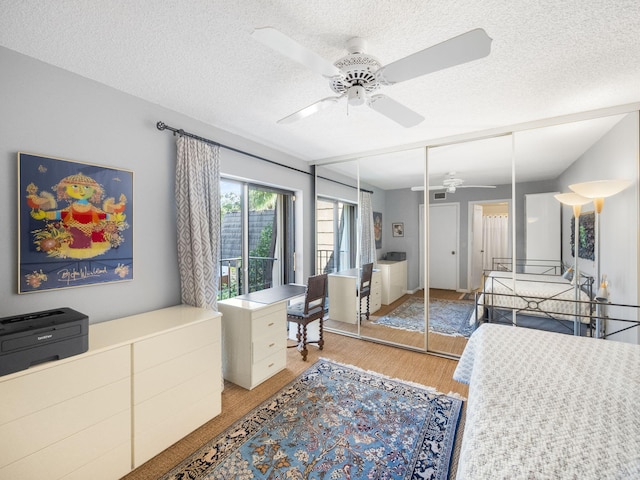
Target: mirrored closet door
{"points": [[337, 243], [397, 300], [551, 164], [470, 224], [453, 225]]}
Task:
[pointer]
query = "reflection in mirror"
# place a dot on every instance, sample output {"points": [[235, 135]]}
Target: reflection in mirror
{"points": [[550, 161], [470, 221], [396, 301], [500, 231], [337, 242]]}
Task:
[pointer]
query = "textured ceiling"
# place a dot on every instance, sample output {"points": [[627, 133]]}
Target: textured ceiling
{"points": [[548, 58]]}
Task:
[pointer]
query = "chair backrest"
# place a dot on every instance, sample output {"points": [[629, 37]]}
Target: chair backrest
{"points": [[316, 294], [365, 276]]}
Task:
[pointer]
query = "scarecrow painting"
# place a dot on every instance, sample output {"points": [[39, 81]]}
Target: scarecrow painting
{"points": [[78, 233]]}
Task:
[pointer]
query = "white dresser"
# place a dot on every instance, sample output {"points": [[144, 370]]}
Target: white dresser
{"points": [[343, 299], [394, 279], [254, 340], [145, 382]]}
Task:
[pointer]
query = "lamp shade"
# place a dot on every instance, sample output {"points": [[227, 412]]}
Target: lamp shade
{"points": [[572, 198], [603, 291], [600, 188], [568, 274]]}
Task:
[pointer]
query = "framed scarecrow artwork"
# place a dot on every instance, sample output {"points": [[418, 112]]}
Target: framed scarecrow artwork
{"points": [[75, 224]]}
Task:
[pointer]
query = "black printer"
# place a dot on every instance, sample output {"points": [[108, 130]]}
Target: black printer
{"points": [[33, 338]]}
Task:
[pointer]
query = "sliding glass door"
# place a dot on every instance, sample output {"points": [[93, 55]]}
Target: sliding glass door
{"points": [[256, 238]]}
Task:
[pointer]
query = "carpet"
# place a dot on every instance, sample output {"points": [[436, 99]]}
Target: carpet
{"points": [[335, 422], [446, 317]]}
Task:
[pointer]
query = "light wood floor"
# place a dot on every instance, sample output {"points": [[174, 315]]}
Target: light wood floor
{"points": [[394, 362], [437, 343]]}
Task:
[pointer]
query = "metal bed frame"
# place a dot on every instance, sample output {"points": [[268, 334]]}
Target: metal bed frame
{"points": [[534, 312]]}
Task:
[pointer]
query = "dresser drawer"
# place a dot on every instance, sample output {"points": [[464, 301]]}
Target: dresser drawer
{"points": [[174, 343], [29, 434], [190, 404], [176, 398], [32, 391], [153, 381], [268, 367], [171, 428], [72, 452]]}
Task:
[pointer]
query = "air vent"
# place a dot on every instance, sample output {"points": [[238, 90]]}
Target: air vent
{"points": [[440, 195]]}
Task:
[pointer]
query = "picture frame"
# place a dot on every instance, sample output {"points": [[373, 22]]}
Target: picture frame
{"points": [[397, 229], [377, 229], [75, 224], [587, 236]]}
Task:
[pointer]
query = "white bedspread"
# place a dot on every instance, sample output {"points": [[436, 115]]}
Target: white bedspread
{"points": [[544, 405], [546, 293]]}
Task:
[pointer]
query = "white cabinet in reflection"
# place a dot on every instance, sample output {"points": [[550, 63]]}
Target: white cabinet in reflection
{"points": [[394, 280], [343, 299], [542, 231]]}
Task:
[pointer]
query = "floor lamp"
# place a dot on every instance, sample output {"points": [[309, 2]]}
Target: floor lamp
{"points": [[598, 190], [576, 201]]}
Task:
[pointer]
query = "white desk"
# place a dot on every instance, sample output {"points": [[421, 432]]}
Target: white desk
{"points": [[254, 334], [343, 299]]}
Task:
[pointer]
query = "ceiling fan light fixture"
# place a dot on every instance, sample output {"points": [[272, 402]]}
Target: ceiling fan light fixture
{"points": [[451, 189], [358, 75], [356, 95]]}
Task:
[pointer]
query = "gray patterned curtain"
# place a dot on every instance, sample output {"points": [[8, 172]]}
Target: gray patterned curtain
{"points": [[367, 236], [198, 206]]}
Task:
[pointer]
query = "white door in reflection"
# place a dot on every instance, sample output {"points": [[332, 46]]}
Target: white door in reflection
{"points": [[443, 246]]}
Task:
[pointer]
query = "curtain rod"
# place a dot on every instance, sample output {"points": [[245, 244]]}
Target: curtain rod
{"points": [[182, 133], [163, 126]]}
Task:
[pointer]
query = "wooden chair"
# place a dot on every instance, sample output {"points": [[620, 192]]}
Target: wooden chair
{"points": [[365, 286], [312, 309]]}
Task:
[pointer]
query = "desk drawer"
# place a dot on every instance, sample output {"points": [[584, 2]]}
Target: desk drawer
{"points": [[274, 310], [268, 367], [264, 347], [270, 326]]}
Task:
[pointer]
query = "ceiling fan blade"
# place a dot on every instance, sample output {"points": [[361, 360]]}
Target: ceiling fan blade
{"points": [[475, 186], [310, 110], [464, 48], [395, 111], [288, 47]]}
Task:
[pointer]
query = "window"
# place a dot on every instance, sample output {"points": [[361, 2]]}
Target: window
{"points": [[337, 235], [256, 238]]}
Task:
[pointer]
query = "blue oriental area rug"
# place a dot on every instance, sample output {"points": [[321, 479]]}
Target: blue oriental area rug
{"points": [[335, 422], [446, 317]]}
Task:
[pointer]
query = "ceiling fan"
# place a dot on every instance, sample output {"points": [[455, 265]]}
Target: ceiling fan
{"points": [[450, 184], [358, 75]]}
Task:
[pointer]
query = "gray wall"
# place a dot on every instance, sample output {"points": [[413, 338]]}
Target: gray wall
{"points": [[403, 206], [502, 192], [49, 111]]}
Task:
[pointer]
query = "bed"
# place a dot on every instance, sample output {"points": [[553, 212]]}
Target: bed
{"points": [[548, 406], [543, 300]]}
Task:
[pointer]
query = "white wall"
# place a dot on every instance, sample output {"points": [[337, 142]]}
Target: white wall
{"points": [[49, 111]]}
